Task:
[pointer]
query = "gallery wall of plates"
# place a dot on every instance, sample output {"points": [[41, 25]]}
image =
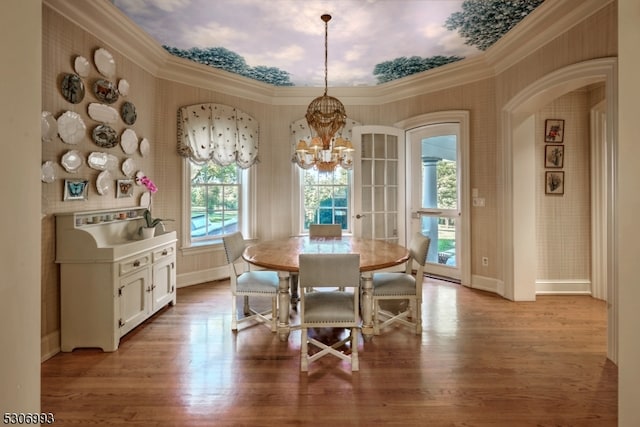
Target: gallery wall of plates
{"points": [[91, 146]]}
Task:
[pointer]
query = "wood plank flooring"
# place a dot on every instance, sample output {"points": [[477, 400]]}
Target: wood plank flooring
{"points": [[481, 361]]}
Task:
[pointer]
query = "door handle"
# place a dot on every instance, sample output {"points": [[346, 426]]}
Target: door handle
{"points": [[358, 216], [421, 212]]}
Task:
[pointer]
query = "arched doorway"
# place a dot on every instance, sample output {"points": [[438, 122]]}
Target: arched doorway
{"points": [[517, 165]]}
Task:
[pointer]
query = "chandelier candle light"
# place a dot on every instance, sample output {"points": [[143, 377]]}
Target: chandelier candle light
{"points": [[326, 116]]}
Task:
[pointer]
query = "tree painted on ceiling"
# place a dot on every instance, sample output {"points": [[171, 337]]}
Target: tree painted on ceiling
{"points": [[219, 57], [480, 22]]}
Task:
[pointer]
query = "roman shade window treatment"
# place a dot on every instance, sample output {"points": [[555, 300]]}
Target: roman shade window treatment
{"points": [[218, 133]]}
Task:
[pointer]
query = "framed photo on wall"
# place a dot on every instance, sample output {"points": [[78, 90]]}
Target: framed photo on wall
{"points": [[76, 189], [554, 182], [554, 130], [125, 188], [553, 156]]}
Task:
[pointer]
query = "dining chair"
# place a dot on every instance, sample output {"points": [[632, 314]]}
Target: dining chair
{"points": [[325, 230], [402, 286], [323, 305], [246, 283]]}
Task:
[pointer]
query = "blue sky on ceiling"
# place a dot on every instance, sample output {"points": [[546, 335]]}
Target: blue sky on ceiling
{"points": [[289, 34]]}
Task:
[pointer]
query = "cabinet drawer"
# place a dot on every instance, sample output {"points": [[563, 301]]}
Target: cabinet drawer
{"points": [[163, 252], [134, 263]]}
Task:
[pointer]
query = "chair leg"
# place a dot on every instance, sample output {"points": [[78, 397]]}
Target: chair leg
{"points": [[376, 317], [418, 316], [304, 356], [234, 313], [274, 313], [355, 363], [247, 308]]}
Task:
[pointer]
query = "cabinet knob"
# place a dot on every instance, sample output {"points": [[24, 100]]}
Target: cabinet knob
{"points": [[136, 263], [165, 252]]}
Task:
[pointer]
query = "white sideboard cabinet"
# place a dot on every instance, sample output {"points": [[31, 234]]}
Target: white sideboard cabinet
{"points": [[111, 279]]}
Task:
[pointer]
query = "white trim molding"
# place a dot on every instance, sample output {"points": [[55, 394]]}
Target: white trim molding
{"points": [[563, 287]]}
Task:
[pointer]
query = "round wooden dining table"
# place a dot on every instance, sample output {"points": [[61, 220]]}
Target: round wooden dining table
{"points": [[282, 255]]}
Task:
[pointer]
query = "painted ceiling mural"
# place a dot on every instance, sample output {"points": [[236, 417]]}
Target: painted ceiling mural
{"points": [[281, 42]]}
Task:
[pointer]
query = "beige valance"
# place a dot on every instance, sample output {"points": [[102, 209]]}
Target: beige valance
{"points": [[219, 133]]}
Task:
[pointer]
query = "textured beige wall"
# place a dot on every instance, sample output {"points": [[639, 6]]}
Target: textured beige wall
{"points": [[157, 101], [62, 41]]}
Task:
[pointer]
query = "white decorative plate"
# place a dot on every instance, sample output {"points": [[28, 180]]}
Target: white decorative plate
{"points": [[48, 126], [71, 161], [129, 141], [123, 87], [103, 113], [104, 183], [128, 166], [144, 147], [139, 176], [105, 63], [82, 66], [71, 127], [48, 172], [102, 161]]}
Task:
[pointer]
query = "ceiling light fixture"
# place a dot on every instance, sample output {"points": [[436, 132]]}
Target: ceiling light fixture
{"points": [[326, 116]]}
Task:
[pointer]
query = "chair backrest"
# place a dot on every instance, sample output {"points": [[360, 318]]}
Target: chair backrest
{"points": [[234, 245], [329, 270], [325, 230], [418, 248]]}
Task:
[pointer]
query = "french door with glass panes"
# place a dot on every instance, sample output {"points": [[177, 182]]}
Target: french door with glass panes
{"points": [[379, 183], [435, 194]]}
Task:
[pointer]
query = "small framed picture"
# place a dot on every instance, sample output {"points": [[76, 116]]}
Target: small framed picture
{"points": [[553, 156], [554, 182], [76, 189], [554, 130], [125, 188]]}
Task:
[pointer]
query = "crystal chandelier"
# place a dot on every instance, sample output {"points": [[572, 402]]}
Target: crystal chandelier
{"points": [[326, 116]]}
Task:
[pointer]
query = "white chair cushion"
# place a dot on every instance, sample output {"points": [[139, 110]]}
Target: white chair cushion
{"points": [[258, 281], [332, 306], [393, 284]]}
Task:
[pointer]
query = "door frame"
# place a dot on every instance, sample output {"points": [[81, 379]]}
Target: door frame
{"points": [[460, 117]]}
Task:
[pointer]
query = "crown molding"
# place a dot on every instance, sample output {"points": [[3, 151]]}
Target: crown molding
{"points": [[114, 29], [547, 22]]}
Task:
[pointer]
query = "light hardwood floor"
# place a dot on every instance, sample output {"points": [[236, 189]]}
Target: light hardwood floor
{"points": [[481, 361]]}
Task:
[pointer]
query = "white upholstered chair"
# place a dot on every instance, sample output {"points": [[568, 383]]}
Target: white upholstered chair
{"points": [[325, 230], [249, 284], [323, 305], [402, 286]]}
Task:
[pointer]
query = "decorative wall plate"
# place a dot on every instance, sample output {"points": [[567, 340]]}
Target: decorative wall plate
{"points": [[129, 141], [48, 126], [128, 166], [102, 161], [144, 147], [82, 66], [71, 127], [104, 182], [105, 63], [105, 91], [123, 87], [103, 113], [48, 172], [72, 88], [128, 111], [105, 136], [71, 161], [139, 176]]}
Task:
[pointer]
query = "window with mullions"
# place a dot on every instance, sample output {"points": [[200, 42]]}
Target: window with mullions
{"points": [[215, 200], [326, 197]]}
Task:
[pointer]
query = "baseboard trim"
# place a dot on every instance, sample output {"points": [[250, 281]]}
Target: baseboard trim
{"points": [[202, 276], [49, 346], [488, 284], [563, 287]]}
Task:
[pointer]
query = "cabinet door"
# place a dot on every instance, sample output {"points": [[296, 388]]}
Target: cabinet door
{"points": [[164, 283], [133, 294]]}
